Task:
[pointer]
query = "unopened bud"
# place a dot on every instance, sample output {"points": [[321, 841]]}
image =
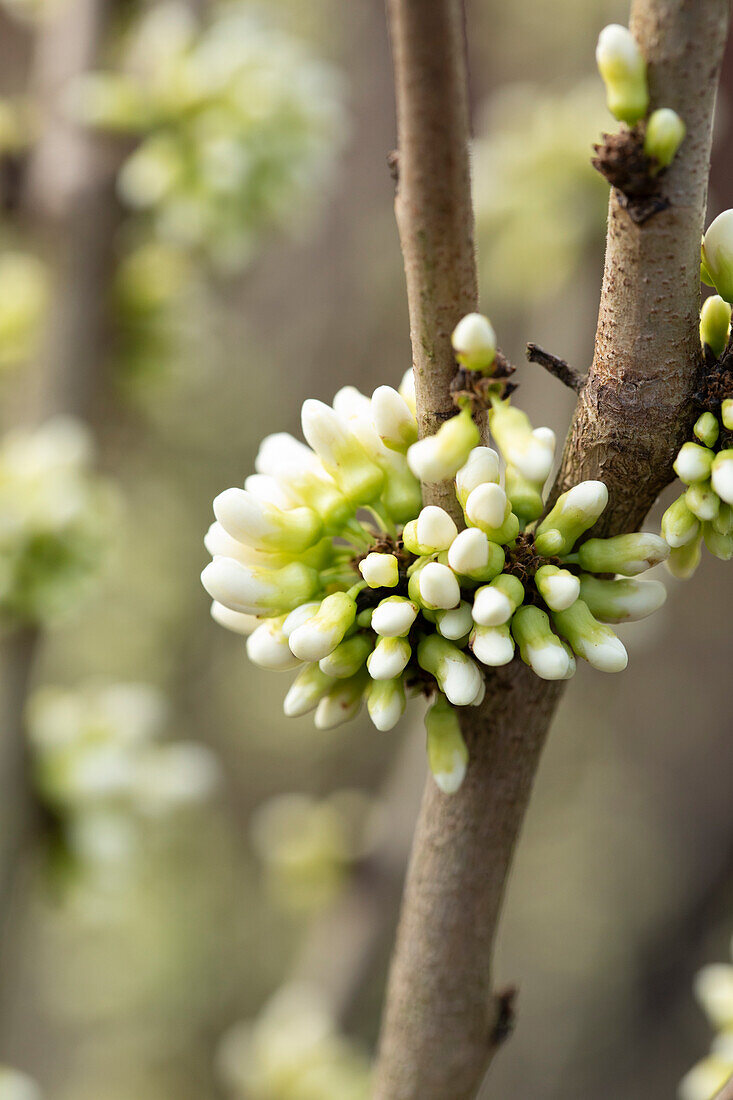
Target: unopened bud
{"points": [[386, 702], [437, 586], [447, 752], [539, 647], [574, 513], [487, 507], [723, 522], [622, 600], [265, 526], [714, 330], [482, 466], [530, 453], [707, 429], [726, 413], [474, 342], [623, 70], [393, 419], [684, 560], [431, 532], [665, 132], [380, 570], [389, 658], [703, 501], [268, 647], [406, 390], [559, 588], [393, 617], [455, 624], [319, 635], [439, 457], [717, 254], [679, 524], [341, 453], [595, 642], [525, 496], [720, 546], [624, 554], [259, 591], [235, 621], [457, 674], [722, 475], [341, 703], [492, 645], [473, 555], [306, 691], [495, 603], [347, 658]]}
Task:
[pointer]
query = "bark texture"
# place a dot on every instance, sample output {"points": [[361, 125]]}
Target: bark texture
{"points": [[440, 1021]]}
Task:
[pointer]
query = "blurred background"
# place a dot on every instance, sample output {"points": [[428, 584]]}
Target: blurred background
{"points": [[196, 235]]}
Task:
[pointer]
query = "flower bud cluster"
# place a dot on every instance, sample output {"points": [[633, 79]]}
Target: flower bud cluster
{"points": [[55, 520], [237, 126], [714, 992], [293, 1051], [704, 511], [328, 562], [624, 72], [103, 770]]}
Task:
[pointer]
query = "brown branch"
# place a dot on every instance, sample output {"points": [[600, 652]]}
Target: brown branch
{"points": [[726, 1092], [557, 367], [440, 1017]]}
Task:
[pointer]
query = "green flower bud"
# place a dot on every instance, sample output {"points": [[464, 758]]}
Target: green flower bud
{"points": [[622, 600], [703, 501], [539, 647], [623, 70], [559, 588], [722, 475], [342, 455], [714, 332], [319, 635], [474, 342], [595, 642], [341, 703], [665, 132], [495, 603], [530, 452], [717, 254], [679, 524], [525, 496], [347, 658], [723, 522], [386, 702], [707, 429], [439, 457], [293, 465], [389, 658], [574, 513], [720, 546], [684, 560], [726, 414], [306, 691], [380, 570], [624, 554], [693, 463], [401, 492], [447, 752], [457, 674]]}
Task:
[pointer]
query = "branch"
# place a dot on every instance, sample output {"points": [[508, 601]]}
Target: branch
{"points": [[557, 367], [439, 1028], [727, 1092]]}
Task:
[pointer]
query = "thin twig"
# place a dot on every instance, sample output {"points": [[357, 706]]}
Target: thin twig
{"points": [[557, 367]]}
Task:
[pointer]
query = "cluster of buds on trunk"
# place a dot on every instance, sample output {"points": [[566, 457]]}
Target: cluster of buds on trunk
{"points": [[330, 564]]}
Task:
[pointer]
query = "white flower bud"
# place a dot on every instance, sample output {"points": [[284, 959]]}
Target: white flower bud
{"points": [[624, 554], [495, 603], [703, 501], [722, 475], [705, 1080], [295, 467], [693, 463], [474, 342], [319, 635], [593, 641], [487, 507], [406, 390], [435, 529], [457, 674], [386, 702], [306, 690], [380, 570], [538, 646], [393, 617], [472, 555], [438, 586], [679, 524], [665, 132], [299, 616], [492, 645], [268, 647], [17, 1086], [714, 329], [623, 69], [622, 600], [264, 526], [528, 452], [438, 457], [270, 491], [394, 421], [717, 254], [447, 752], [235, 621], [559, 588], [456, 623], [258, 591], [389, 658], [341, 703], [714, 992], [341, 453], [481, 466], [574, 513]]}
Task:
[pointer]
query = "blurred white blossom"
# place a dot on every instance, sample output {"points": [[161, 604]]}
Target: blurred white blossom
{"points": [[17, 1086], [714, 991]]}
